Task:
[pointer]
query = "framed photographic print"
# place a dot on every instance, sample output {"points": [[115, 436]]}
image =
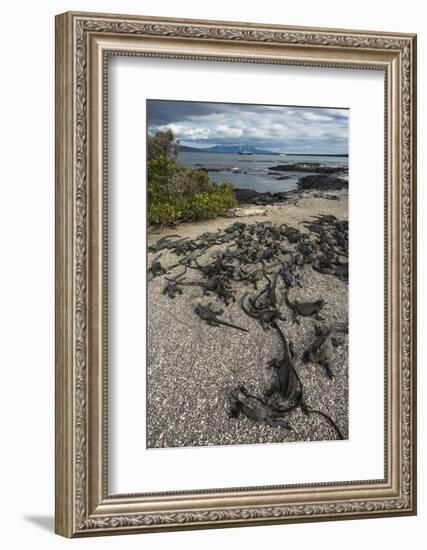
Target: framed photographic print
{"points": [[235, 274]]}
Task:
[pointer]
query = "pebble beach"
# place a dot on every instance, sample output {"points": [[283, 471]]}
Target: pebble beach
{"points": [[192, 366]]}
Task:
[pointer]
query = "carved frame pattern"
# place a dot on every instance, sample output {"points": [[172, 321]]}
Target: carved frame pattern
{"points": [[82, 510]]}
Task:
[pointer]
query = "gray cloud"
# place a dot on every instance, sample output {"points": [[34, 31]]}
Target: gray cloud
{"points": [[279, 128]]}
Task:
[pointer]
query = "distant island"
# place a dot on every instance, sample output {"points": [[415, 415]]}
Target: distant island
{"points": [[252, 150], [315, 155], [226, 149]]}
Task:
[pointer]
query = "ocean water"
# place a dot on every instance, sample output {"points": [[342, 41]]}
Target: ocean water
{"points": [[254, 169]]}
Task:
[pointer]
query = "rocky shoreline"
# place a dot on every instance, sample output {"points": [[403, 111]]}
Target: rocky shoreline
{"points": [[211, 383], [318, 182], [313, 174], [315, 167], [323, 182]]}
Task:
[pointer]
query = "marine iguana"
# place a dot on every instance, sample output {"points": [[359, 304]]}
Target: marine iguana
{"points": [[306, 309], [172, 288], [324, 243], [255, 409], [210, 284], [330, 246], [162, 243], [320, 352], [287, 392], [219, 285], [268, 296], [321, 349], [266, 316], [192, 256], [287, 275], [156, 268], [210, 316]]}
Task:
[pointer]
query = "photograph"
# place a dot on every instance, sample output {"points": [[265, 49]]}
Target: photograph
{"points": [[247, 273]]}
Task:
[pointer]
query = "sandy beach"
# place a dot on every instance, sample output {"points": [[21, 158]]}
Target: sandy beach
{"points": [[192, 366]]}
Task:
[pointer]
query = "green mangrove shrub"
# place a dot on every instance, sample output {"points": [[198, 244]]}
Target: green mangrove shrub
{"points": [[176, 192]]}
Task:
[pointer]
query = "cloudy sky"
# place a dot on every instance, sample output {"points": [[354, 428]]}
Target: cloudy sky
{"points": [[280, 129]]}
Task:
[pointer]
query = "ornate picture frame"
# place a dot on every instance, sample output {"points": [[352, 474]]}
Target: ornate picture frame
{"points": [[84, 42]]}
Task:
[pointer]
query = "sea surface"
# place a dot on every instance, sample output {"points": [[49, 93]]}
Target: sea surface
{"points": [[254, 169]]}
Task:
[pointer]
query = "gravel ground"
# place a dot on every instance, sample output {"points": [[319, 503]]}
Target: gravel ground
{"points": [[192, 366]]}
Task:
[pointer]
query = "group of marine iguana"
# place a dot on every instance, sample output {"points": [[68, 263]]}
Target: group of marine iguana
{"points": [[257, 254]]}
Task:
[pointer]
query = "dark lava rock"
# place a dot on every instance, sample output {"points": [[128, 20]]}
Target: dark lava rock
{"points": [[245, 195], [253, 197], [308, 167], [279, 176], [210, 169], [322, 182]]}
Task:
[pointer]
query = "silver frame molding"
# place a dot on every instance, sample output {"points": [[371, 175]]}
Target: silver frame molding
{"points": [[83, 43]]}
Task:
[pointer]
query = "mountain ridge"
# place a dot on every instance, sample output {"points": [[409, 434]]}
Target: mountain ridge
{"points": [[226, 149]]}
